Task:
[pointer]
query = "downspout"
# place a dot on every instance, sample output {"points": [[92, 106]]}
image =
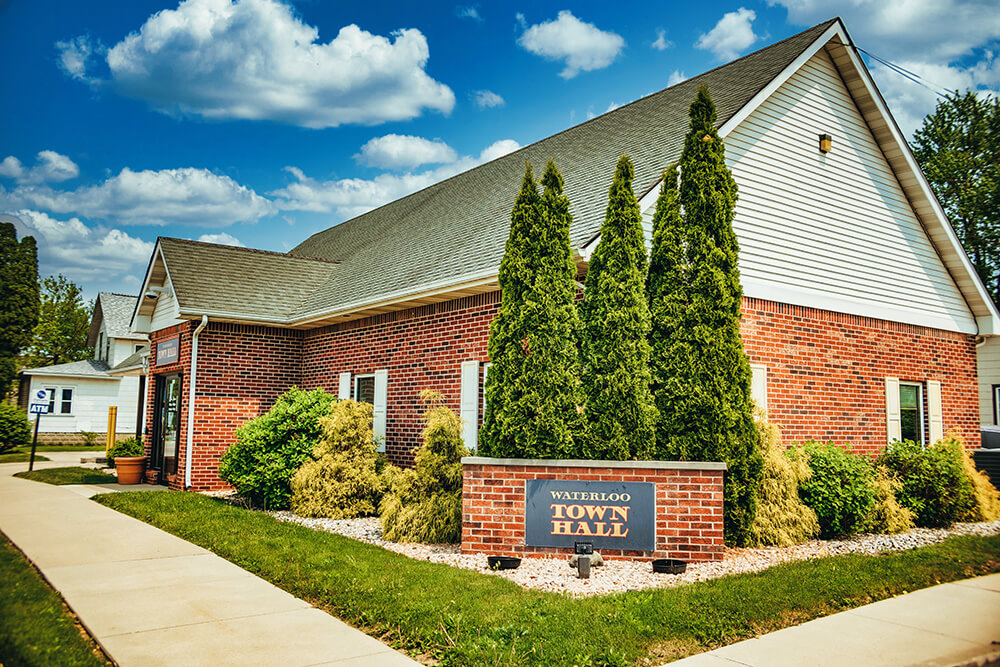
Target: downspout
{"points": [[192, 393]]}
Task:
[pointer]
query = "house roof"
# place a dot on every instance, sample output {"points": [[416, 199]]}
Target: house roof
{"points": [[132, 364], [115, 311], [89, 368]]}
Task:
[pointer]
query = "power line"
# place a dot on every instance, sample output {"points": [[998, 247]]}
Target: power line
{"points": [[911, 76]]}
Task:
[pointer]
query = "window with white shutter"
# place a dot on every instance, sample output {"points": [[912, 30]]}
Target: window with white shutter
{"points": [[935, 419], [892, 408], [344, 390], [380, 405], [470, 404], [758, 385]]}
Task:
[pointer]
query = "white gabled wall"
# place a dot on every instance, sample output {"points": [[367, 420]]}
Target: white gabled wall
{"points": [[832, 231], [988, 363], [167, 313]]}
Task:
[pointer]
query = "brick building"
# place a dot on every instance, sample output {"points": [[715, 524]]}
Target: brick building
{"points": [[861, 311]]}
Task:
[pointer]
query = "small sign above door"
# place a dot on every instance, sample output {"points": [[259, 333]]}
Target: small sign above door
{"points": [[168, 351]]}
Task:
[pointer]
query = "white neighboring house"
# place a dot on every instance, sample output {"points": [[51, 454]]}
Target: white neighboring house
{"points": [[80, 393], [988, 362]]}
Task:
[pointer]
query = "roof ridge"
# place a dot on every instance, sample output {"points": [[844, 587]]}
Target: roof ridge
{"points": [[246, 249], [128, 296], [824, 25]]}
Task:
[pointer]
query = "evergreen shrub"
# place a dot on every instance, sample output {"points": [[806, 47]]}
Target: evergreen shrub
{"points": [[270, 448], [887, 515], [782, 518], [15, 430], [840, 489], [424, 503], [934, 484], [342, 480]]}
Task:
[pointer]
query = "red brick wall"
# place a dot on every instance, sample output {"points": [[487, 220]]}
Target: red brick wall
{"points": [[422, 348], [826, 371], [688, 507]]}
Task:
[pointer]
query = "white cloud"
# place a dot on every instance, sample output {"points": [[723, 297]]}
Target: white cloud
{"points": [[486, 99], [50, 167], [470, 12], [257, 60], [80, 252], [923, 30], [350, 197], [950, 43], [581, 45], [677, 76], [221, 238], [75, 56], [731, 35], [400, 151], [661, 43], [185, 196]]}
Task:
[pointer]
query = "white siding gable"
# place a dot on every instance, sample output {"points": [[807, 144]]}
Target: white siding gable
{"points": [[166, 313], [832, 231]]}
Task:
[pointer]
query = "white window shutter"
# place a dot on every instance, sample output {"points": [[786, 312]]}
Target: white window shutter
{"points": [[470, 403], [344, 390], [892, 408], [934, 417], [758, 385], [380, 405]]}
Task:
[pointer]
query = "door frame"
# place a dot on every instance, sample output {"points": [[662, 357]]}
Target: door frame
{"points": [[156, 446]]}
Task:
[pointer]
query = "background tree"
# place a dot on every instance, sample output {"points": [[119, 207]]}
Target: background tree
{"points": [[18, 299], [958, 148], [620, 411], [703, 374], [64, 319]]}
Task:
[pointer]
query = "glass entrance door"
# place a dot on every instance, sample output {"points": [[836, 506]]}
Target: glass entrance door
{"points": [[167, 416]]}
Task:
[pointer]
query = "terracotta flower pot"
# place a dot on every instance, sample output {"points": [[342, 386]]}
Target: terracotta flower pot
{"points": [[130, 469]]}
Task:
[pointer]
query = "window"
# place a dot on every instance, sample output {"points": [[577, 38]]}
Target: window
{"points": [[364, 389], [60, 400], [996, 404], [138, 347], [911, 411]]}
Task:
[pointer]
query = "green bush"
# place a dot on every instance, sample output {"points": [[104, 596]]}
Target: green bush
{"points": [[270, 448], [935, 486], [782, 518], [342, 480], [14, 427], [987, 497], [89, 438], [424, 503], [127, 447], [840, 489], [887, 515]]}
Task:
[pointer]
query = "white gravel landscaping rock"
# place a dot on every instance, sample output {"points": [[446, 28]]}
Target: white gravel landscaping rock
{"points": [[616, 576]]}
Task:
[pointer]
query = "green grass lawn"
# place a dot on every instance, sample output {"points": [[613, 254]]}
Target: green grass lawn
{"points": [[17, 457], [462, 617], [68, 476], [36, 628]]}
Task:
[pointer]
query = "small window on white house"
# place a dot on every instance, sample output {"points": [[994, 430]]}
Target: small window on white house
{"points": [[138, 347], [364, 389], [60, 400], [911, 411]]}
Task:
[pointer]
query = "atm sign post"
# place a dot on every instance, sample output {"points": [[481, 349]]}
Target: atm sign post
{"points": [[38, 409]]}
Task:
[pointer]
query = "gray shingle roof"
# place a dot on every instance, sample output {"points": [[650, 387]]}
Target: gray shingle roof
{"points": [[117, 312], [459, 227], [87, 368], [209, 277], [131, 362]]}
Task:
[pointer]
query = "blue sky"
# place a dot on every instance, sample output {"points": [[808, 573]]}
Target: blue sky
{"points": [[260, 122]]}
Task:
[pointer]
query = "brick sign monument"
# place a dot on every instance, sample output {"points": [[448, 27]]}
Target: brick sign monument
{"points": [[637, 510]]}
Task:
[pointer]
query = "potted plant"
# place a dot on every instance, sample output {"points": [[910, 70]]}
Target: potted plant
{"points": [[128, 458]]}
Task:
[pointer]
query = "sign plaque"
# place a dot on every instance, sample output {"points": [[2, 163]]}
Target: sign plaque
{"points": [[168, 351], [612, 515]]}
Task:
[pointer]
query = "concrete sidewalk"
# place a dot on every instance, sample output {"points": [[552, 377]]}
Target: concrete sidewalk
{"points": [[150, 598], [947, 625]]}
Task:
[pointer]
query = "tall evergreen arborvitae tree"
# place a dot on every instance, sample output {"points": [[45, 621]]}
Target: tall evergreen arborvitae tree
{"points": [[501, 434], [620, 411], [19, 301], [532, 391], [702, 372]]}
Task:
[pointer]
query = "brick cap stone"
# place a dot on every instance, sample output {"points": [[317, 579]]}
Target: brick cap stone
{"points": [[577, 463]]}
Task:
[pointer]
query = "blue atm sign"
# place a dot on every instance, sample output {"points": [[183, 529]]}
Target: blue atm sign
{"points": [[612, 515], [39, 409]]}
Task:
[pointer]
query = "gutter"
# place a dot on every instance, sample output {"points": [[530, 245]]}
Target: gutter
{"points": [[192, 391]]}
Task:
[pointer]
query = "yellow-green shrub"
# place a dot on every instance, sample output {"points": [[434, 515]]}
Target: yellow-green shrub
{"points": [[341, 480], [782, 518], [987, 507], [887, 515], [424, 503]]}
